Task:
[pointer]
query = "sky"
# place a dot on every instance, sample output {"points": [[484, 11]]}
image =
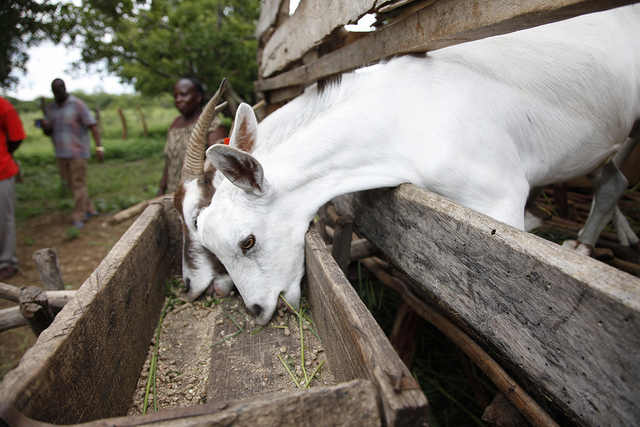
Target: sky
{"points": [[49, 61]]}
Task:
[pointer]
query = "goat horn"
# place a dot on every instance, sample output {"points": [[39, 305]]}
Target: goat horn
{"points": [[193, 165]]}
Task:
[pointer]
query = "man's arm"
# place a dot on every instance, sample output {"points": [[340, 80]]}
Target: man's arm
{"points": [[96, 139]]}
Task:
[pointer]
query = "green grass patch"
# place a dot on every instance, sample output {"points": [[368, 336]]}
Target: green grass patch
{"points": [[130, 174]]}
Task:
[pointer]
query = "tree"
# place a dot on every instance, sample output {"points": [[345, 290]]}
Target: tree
{"points": [[25, 23], [153, 43]]}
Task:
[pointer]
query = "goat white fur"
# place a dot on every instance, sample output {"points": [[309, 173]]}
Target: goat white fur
{"points": [[480, 123], [202, 270]]}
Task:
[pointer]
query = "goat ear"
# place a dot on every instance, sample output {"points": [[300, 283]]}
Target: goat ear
{"points": [[242, 169], [245, 129]]}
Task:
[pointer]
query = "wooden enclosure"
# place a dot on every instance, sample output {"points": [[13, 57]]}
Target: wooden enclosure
{"points": [[85, 366], [564, 325]]}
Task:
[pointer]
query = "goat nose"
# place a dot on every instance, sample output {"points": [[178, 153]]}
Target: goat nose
{"points": [[257, 309], [187, 284]]}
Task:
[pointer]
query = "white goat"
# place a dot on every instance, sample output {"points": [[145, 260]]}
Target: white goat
{"points": [[202, 270], [480, 123]]}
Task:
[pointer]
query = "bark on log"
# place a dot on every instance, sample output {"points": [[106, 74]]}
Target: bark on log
{"points": [[10, 292], [134, 210], [11, 318], [49, 269], [57, 299], [34, 306]]}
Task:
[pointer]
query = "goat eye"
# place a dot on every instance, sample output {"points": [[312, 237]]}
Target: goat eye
{"points": [[248, 243]]}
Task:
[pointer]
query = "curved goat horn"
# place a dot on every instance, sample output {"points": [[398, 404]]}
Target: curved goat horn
{"points": [[193, 165]]}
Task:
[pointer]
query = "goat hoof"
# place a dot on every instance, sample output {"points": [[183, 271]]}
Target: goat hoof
{"points": [[579, 247]]}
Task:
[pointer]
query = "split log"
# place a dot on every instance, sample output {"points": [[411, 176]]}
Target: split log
{"points": [[35, 308], [134, 210], [49, 269]]}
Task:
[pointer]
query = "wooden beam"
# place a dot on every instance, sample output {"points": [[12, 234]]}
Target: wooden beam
{"points": [[442, 23], [358, 346], [568, 323], [350, 403], [11, 318], [96, 346], [288, 43]]}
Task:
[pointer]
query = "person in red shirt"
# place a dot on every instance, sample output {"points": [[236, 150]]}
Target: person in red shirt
{"points": [[11, 135]]}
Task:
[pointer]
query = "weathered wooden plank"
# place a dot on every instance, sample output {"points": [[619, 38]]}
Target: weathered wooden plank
{"points": [[96, 346], [268, 16], [568, 323], [317, 19], [358, 347], [352, 403], [442, 23]]}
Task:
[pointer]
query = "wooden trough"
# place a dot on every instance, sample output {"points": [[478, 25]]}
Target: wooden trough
{"points": [[84, 368]]}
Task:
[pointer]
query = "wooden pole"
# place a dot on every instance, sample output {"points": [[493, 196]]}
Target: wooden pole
{"points": [[49, 269], [145, 132], [11, 318], [124, 124], [134, 210]]}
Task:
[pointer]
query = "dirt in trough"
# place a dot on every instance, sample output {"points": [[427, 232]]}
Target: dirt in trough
{"points": [[78, 257], [213, 350]]}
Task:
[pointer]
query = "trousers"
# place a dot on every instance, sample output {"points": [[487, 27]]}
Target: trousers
{"points": [[74, 172], [8, 248]]}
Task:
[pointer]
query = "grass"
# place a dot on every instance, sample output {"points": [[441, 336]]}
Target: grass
{"points": [[130, 173]]}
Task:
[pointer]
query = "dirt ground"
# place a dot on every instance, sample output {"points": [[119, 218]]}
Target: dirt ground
{"points": [[78, 258]]}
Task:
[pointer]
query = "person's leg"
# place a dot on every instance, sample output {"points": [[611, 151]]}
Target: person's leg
{"points": [[77, 182], [8, 249]]}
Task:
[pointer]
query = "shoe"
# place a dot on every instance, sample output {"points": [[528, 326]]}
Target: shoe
{"points": [[7, 272], [78, 224], [90, 215]]}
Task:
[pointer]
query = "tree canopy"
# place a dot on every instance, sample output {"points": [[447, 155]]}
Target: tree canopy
{"points": [[153, 43], [25, 23], [149, 43]]}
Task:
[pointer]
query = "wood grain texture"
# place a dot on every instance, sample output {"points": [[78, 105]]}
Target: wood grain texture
{"points": [[442, 23], [352, 403], [312, 21], [49, 269], [569, 324], [96, 346], [357, 347]]}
